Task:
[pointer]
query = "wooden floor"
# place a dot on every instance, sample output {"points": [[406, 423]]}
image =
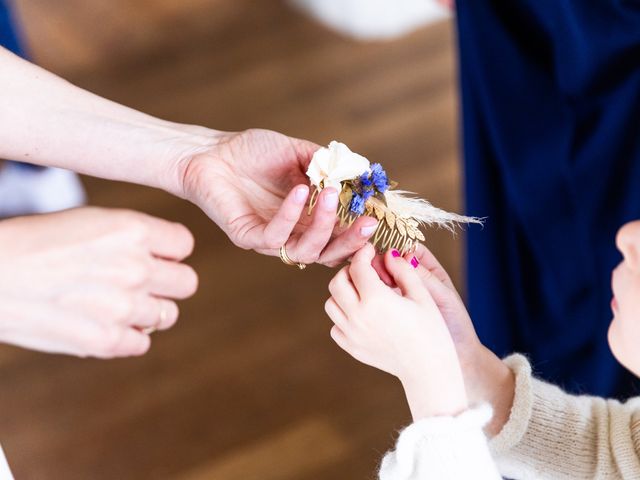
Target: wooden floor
{"points": [[248, 385]]}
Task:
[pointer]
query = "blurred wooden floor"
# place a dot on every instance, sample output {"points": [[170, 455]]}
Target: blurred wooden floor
{"points": [[248, 385]]}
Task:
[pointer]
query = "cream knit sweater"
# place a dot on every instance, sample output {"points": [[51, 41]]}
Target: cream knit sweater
{"points": [[550, 435]]}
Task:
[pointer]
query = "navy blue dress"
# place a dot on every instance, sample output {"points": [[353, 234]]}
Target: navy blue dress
{"points": [[9, 34], [551, 122], [10, 38]]}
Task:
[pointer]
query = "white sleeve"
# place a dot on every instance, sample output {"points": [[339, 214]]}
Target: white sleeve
{"points": [[5, 473], [443, 448]]}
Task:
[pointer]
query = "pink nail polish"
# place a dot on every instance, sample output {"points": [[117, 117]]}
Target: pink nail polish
{"points": [[415, 262], [395, 253]]}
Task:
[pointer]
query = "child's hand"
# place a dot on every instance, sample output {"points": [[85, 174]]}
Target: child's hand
{"points": [[486, 378], [401, 332]]}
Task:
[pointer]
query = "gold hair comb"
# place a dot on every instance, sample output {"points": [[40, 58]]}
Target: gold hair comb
{"points": [[365, 189]]}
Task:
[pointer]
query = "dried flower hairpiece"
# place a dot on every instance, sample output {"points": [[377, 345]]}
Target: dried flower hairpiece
{"points": [[365, 189]]}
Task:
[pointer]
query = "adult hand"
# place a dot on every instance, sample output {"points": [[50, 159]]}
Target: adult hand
{"points": [[253, 184], [87, 282]]}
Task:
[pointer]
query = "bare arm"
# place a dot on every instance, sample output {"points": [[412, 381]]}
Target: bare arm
{"points": [[46, 120]]}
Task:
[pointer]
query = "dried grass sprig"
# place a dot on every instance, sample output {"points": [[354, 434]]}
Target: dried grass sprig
{"points": [[400, 216]]}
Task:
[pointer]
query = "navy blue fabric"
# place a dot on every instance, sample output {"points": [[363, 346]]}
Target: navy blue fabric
{"points": [[9, 33], [551, 122], [10, 38]]}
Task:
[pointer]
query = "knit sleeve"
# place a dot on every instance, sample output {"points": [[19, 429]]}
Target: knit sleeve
{"points": [[443, 448], [553, 435]]}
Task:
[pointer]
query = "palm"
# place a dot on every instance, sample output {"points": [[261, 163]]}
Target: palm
{"points": [[244, 181]]}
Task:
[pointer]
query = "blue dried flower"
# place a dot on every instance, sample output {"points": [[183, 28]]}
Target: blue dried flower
{"points": [[357, 204], [365, 180], [379, 177], [367, 194]]}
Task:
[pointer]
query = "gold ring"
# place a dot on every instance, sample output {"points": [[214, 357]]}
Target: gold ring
{"points": [[161, 319], [287, 261]]}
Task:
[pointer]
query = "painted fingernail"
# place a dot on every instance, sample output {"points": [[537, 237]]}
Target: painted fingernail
{"points": [[301, 195], [395, 253], [415, 262], [330, 201], [368, 231]]}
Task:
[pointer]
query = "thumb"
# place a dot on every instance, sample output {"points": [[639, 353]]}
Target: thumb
{"points": [[403, 273]]}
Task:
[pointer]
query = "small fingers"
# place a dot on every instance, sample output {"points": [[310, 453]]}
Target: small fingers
{"points": [[336, 314], [362, 273], [343, 291], [381, 269], [340, 338], [309, 246], [346, 244], [405, 276], [431, 264], [279, 229]]}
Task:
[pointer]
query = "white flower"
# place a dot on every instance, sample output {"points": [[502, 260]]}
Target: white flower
{"points": [[333, 165]]}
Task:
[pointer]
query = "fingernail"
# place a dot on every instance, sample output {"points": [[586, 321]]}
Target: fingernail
{"points": [[301, 195], [415, 262], [395, 253], [331, 200], [368, 231]]}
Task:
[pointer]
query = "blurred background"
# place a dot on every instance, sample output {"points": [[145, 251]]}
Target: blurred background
{"points": [[249, 384]]}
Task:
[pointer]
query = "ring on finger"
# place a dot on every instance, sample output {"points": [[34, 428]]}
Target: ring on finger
{"points": [[162, 317], [287, 260]]}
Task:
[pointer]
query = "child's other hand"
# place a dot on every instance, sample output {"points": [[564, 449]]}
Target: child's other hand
{"points": [[437, 281], [401, 332], [486, 378]]}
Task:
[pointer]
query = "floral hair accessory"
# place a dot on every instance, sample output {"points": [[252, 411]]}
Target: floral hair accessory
{"points": [[365, 189]]}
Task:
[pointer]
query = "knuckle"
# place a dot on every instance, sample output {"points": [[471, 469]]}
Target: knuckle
{"points": [[308, 258], [239, 241], [110, 342], [123, 308], [136, 273], [131, 220], [274, 241]]}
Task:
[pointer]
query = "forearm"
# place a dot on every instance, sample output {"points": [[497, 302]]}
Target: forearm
{"points": [[488, 380], [45, 120], [553, 435]]}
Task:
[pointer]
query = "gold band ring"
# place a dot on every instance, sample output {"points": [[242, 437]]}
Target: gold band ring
{"points": [[161, 319], [287, 261]]}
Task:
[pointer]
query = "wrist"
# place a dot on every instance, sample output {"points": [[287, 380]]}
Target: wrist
{"points": [[488, 380], [181, 144], [435, 392]]}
